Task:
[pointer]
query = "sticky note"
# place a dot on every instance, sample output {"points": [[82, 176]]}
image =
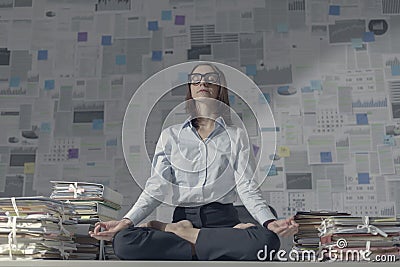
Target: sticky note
{"points": [[73, 153], [283, 151], [179, 20], [270, 129], [326, 156], [363, 178], [14, 81], [231, 99], [166, 15], [106, 40], [334, 10], [395, 70], [29, 167], [182, 77], [362, 119], [356, 43], [112, 142], [156, 55], [152, 25], [45, 127], [49, 84], [368, 37], [255, 150], [82, 36], [251, 70], [120, 60], [282, 27], [97, 124], [306, 89], [42, 55], [389, 140], [272, 171], [316, 85], [267, 97]]}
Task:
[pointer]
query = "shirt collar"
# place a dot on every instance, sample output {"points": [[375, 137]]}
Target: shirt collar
{"points": [[220, 122]]}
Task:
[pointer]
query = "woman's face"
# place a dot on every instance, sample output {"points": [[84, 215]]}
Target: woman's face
{"points": [[204, 82]]}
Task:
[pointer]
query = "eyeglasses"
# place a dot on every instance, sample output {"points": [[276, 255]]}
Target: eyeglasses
{"points": [[209, 78]]}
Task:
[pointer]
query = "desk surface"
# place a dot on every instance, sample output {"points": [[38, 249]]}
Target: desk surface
{"points": [[72, 263]]}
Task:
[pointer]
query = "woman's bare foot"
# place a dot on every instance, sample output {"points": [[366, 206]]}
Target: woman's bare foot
{"points": [[155, 225], [167, 227], [183, 229], [173, 227], [243, 225]]}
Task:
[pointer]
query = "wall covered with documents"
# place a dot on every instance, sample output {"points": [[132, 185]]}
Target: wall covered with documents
{"points": [[330, 70]]}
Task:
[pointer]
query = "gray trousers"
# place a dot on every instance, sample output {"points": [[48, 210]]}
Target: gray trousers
{"points": [[217, 240]]}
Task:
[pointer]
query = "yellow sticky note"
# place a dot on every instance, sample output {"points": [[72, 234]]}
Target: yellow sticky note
{"points": [[283, 152], [29, 168]]}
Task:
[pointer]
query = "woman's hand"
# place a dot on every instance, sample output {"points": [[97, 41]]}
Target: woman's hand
{"points": [[109, 229], [284, 228]]}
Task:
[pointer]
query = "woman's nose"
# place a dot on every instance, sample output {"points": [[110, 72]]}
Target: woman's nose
{"points": [[203, 82]]}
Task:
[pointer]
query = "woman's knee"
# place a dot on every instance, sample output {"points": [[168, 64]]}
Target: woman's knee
{"points": [[267, 243]]}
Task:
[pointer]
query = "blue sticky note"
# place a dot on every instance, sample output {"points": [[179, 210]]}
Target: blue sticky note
{"points": [[112, 142], [389, 140], [152, 25], [334, 10], [272, 171], [267, 97], [395, 70], [306, 89], [156, 55], [183, 77], [368, 37], [316, 85], [282, 27], [251, 70], [356, 43], [326, 156], [166, 15], [14, 81], [42, 55], [363, 178], [45, 127], [120, 60], [231, 99], [106, 40], [362, 119], [49, 84], [97, 124]]}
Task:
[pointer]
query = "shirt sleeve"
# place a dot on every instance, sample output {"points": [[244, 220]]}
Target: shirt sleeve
{"points": [[157, 185], [246, 184]]}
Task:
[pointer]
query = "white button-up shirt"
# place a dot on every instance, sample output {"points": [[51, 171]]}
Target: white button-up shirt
{"points": [[216, 169]]}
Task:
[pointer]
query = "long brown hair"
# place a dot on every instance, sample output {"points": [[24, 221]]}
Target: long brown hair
{"points": [[223, 97]]}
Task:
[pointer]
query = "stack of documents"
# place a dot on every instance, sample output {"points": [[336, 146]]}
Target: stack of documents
{"points": [[34, 228], [63, 190], [92, 202], [349, 238], [307, 239]]}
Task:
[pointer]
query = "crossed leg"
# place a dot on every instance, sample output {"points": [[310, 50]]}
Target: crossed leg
{"points": [[184, 228]]}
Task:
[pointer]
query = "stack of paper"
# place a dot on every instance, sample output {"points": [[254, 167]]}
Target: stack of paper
{"points": [[307, 241], [359, 238], [34, 228], [92, 202]]}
